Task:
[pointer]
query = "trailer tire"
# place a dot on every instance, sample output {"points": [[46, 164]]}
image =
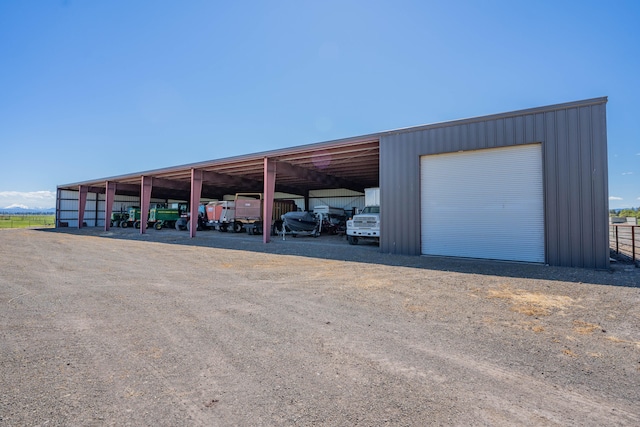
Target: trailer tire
{"points": [[353, 240], [276, 228]]}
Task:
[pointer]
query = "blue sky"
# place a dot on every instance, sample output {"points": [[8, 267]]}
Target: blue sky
{"points": [[92, 89]]}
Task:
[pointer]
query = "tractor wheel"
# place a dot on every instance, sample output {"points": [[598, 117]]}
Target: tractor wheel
{"points": [[353, 240], [181, 224], [136, 224], [111, 224], [188, 225], [124, 224], [158, 225]]}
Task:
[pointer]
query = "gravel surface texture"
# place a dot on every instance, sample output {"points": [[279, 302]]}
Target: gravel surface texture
{"points": [[117, 328]]}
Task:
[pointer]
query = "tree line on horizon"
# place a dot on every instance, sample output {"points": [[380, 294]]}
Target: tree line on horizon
{"points": [[625, 213]]}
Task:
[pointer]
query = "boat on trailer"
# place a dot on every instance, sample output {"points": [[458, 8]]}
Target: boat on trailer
{"points": [[299, 223]]}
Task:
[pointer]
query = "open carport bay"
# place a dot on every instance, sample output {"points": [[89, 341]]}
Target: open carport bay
{"points": [[120, 328]]}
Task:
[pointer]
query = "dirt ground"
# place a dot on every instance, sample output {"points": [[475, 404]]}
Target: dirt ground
{"points": [[117, 328]]}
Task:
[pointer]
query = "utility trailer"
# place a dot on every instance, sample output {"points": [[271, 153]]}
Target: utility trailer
{"points": [[221, 215], [248, 211]]}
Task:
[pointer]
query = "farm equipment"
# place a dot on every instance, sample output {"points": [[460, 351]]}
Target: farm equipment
{"points": [[184, 223], [163, 217], [221, 216], [248, 211], [118, 217], [133, 218]]}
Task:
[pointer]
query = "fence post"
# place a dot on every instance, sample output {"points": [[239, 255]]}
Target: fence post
{"points": [[633, 243], [615, 227]]}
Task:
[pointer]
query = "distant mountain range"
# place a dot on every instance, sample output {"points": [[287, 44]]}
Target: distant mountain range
{"points": [[18, 210]]}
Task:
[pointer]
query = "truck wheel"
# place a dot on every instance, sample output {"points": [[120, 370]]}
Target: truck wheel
{"points": [[353, 240], [158, 226], [237, 227]]}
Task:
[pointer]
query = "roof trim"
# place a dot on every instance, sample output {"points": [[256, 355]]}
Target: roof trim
{"points": [[517, 113]]}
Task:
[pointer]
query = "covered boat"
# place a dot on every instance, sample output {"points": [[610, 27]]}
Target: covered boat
{"points": [[301, 223]]}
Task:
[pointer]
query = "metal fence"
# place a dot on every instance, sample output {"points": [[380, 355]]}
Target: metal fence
{"points": [[624, 240], [26, 221]]}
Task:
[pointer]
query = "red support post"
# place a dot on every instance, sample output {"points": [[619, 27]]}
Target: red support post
{"points": [[269, 191], [196, 193], [82, 204], [108, 203], [146, 185]]}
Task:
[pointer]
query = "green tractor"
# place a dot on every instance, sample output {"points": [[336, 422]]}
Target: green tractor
{"points": [[133, 218], [163, 217], [117, 218]]}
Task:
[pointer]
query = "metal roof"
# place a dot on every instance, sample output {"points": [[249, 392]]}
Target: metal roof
{"points": [[351, 163]]}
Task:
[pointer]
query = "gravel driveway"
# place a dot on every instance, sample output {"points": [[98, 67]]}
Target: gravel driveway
{"points": [[123, 329]]}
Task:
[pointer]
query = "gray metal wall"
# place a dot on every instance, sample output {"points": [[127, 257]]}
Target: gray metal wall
{"points": [[574, 146]]}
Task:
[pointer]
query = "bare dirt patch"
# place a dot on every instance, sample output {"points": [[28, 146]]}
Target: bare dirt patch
{"points": [[531, 303], [125, 329]]}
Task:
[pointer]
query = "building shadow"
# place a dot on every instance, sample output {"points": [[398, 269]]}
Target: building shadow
{"points": [[621, 273]]}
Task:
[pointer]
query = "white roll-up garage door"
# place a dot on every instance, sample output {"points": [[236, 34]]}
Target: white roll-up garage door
{"points": [[484, 204]]}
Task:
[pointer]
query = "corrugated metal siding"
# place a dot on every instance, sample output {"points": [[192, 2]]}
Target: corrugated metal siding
{"points": [[67, 206], [574, 144], [336, 198]]}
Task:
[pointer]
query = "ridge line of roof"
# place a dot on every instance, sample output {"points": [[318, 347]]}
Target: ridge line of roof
{"points": [[372, 137]]}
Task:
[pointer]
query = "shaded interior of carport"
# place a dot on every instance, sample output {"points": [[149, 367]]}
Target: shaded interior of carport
{"points": [[351, 164]]}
